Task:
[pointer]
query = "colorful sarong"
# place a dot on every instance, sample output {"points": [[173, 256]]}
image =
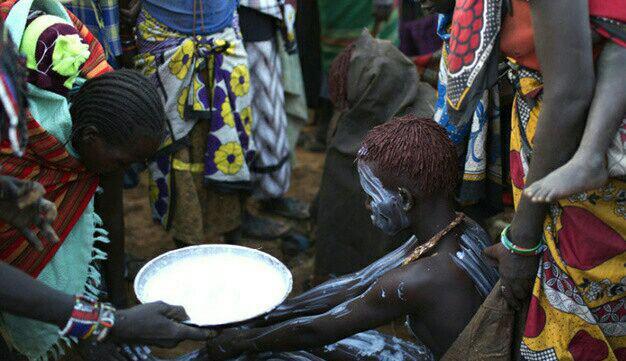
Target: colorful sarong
{"points": [[102, 17], [342, 22], [202, 78], [578, 309], [271, 169], [476, 137]]}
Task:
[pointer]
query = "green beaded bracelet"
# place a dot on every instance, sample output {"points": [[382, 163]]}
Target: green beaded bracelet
{"points": [[506, 242]]}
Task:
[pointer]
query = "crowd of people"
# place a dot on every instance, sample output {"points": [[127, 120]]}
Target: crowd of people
{"points": [[433, 116]]}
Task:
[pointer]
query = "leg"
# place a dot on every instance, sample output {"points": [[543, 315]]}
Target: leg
{"points": [[374, 346], [588, 169]]}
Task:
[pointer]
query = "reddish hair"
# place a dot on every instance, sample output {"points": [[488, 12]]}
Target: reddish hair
{"points": [[416, 150], [338, 78]]}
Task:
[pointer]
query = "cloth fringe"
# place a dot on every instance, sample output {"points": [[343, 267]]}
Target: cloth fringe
{"points": [[93, 278]]}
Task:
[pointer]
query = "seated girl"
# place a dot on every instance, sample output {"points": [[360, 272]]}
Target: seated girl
{"points": [[438, 278]]}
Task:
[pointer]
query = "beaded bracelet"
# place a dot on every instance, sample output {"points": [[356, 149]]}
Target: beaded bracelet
{"points": [[89, 319], [506, 242]]}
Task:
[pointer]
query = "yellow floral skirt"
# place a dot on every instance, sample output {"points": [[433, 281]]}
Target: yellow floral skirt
{"points": [[204, 83]]}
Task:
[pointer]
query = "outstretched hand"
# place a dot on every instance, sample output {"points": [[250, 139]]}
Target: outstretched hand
{"points": [[517, 274], [227, 345], [155, 324], [22, 205]]}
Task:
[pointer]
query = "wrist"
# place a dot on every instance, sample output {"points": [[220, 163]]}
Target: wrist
{"points": [[241, 342], [519, 250], [89, 319], [522, 237]]}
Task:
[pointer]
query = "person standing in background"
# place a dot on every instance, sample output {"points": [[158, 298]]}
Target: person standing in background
{"points": [[268, 30], [341, 23], [193, 51]]}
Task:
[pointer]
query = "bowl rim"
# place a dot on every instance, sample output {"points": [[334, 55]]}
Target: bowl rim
{"points": [[227, 246]]}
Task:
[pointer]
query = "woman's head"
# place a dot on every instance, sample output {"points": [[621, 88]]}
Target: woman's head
{"points": [[404, 162], [117, 119]]}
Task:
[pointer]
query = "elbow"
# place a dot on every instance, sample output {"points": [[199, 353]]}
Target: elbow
{"points": [[573, 95]]}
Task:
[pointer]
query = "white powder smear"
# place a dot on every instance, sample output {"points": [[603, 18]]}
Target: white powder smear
{"points": [[218, 289]]}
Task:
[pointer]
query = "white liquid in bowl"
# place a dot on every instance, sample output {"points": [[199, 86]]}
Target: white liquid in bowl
{"points": [[218, 289]]}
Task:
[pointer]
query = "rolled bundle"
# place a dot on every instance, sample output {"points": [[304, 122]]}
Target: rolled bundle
{"points": [[54, 53]]}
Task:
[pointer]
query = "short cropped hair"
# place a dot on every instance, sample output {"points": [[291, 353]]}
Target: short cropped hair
{"points": [[416, 150]]}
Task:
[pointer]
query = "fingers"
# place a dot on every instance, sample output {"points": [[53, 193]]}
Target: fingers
{"points": [[176, 313], [508, 295], [8, 188], [491, 255], [32, 238], [49, 233], [48, 210], [186, 332], [30, 193], [47, 214]]}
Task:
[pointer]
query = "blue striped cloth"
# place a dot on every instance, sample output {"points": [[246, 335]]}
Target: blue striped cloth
{"points": [[102, 17]]}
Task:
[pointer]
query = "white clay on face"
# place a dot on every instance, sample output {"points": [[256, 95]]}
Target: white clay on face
{"points": [[387, 211]]}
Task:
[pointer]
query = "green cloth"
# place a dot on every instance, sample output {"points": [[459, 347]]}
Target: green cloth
{"points": [[70, 269], [33, 31], [341, 22]]}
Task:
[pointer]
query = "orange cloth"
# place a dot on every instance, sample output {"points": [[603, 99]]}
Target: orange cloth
{"points": [[517, 38]]}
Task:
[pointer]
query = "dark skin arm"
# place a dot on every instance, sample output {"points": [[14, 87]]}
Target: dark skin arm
{"points": [[129, 10], [110, 207], [564, 50], [24, 296], [337, 291], [395, 294]]}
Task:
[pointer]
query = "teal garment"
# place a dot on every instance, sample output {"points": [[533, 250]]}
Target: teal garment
{"points": [[70, 269]]}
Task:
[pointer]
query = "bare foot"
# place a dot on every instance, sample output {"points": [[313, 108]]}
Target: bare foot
{"points": [[581, 173]]}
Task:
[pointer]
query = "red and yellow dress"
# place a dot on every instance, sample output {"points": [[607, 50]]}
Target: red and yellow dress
{"points": [[578, 308]]}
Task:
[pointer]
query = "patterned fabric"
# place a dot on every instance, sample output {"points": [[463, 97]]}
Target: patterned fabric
{"points": [[472, 54], [578, 309], [284, 11], [102, 17], [67, 184], [12, 96], [614, 30], [269, 7], [47, 161], [271, 169], [477, 137], [201, 79]]}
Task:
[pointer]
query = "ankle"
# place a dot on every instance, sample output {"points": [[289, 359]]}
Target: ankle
{"points": [[591, 158]]}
